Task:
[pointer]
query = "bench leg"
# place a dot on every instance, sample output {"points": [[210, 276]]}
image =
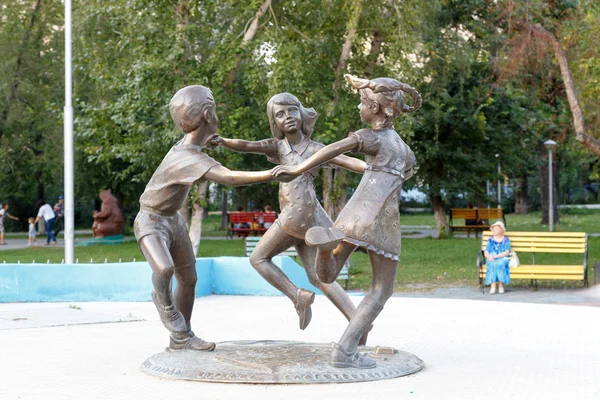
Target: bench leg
{"points": [[534, 285]]}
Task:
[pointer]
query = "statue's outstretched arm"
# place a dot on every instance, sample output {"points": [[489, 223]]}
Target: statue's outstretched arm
{"points": [[225, 176], [244, 146], [350, 163], [322, 156]]}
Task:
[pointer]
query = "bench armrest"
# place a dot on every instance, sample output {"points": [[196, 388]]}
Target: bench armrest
{"points": [[480, 259]]}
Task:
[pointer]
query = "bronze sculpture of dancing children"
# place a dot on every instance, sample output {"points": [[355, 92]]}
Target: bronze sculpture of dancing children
{"points": [[371, 219], [292, 125]]}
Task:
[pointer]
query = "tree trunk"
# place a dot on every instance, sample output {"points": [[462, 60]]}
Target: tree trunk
{"points": [[544, 186], [328, 191], [351, 28], [248, 36], [521, 205], [185, 214], [582, 135], [224, 207], [197, 214], [376, 42], [339, 183], [439, 213], [14, 85]]}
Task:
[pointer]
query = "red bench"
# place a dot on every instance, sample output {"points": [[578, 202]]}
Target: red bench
{"points": [[260, 219], [239, 223]]}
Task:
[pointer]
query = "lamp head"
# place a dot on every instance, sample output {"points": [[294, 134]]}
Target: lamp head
{"points": [[550, 144]]}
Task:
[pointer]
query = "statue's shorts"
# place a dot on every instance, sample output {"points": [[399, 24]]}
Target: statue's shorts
{"points": [[171, 228]]}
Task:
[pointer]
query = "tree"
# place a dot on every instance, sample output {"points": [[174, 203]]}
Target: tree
{"points": [[30, 93]]}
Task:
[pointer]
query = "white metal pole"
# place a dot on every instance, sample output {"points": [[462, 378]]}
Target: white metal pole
{"points": [[499, 188], [550, 192], [68, 143]]}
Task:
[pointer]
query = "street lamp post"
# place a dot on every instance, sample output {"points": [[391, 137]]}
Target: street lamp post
{"points": [[550, 145], [499, 190], [68, 143]]}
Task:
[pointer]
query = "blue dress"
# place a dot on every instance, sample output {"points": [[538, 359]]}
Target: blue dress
{"points": [[497, 270]]}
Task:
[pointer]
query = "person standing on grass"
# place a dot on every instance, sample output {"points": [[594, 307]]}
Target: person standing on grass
{"points": [[3, 214], [59, 210], [496, 252], [46, 212]]}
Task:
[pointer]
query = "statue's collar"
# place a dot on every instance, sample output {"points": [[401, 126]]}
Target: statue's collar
{"points": [[300, 149], [180, 146]]}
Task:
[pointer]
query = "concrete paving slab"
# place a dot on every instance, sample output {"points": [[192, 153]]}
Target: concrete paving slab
{"points": [[35, 315], [472, 350]]}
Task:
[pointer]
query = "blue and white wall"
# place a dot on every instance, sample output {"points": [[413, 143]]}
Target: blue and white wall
{"points": [[133, 281]]}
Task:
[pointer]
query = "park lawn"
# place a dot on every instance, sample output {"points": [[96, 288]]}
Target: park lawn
{"points": [[429, 263], [113, 253], [425, 263]]}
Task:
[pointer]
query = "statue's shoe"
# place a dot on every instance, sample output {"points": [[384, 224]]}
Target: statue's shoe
{"points": [[340, 358], [363, 338], [189, 341], [326, 239], [304, 298], [171, 318]]}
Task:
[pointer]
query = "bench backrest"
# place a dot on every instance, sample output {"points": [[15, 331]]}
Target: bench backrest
{"points": [[463, 213], [252, 242], [262, 217], [239, 217], [543, 242], [490, 213]]}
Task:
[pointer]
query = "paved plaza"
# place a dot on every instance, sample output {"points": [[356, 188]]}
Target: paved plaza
{"points": [[472, 349]]}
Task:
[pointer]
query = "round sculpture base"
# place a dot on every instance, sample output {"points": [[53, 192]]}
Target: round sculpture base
{"points": [[276, 362]]}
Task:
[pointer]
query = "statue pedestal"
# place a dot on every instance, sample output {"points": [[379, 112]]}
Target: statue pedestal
{"points": [[276, 362]]}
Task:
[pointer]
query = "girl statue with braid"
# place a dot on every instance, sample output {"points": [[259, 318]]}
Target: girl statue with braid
{"points": [[292, 126], [371, 219]]}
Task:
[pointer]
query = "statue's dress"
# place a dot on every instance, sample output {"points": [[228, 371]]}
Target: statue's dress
{"points": [[300, 209], [371, 219]]}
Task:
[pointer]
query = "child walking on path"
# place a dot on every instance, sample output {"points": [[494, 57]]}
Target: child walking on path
{"points": [[496, 252], [32, 233]]}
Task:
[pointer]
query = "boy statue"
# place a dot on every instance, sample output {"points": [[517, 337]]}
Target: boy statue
{"points": [[160, 229]]}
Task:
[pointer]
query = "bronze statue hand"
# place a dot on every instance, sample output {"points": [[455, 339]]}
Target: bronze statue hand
{"points": [[216, 141], [285, 178], [285, 170]]}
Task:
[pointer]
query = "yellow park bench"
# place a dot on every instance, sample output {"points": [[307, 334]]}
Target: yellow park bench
{"points": [[542, 242], [475, 219]]}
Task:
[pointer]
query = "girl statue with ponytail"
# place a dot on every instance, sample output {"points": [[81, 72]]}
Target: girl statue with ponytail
{"points": [[371, 219]]}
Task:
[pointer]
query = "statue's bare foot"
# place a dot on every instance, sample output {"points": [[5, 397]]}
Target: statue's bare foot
{"points": [[304, 298], [363, 338], [325, 239], [189, 341], [340, 358], [171, 318]]}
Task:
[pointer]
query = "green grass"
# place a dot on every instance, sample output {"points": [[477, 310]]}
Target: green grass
{"points": [[426, 263], [430, 263], [112, 253]]}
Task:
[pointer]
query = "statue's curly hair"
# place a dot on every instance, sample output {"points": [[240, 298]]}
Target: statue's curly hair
{"points": [[388, 92]]}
